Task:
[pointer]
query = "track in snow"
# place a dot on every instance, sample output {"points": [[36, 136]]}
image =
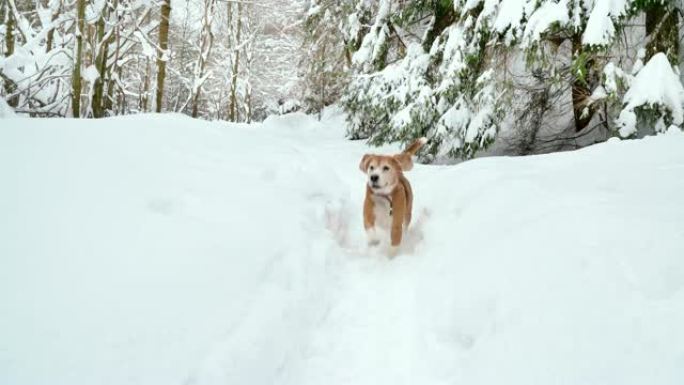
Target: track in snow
{"points": [[159, 249]]}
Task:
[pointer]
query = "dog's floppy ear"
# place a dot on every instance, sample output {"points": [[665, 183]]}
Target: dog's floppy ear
{"points": [[363, 166], [404, 161]]}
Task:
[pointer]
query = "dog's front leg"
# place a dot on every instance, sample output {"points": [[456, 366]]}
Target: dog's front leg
{"points": [[399, 211], [369, 221], [373, 236], [396, 234]]}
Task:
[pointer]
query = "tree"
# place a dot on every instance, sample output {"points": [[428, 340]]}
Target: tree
{"points": [[235, 60], [250, 27], [162, 53], [7, 17], [55, 10], [206, 43], [106, 62], [650, 99], [78, 53], [451, 79], [662, 28], [103, 40], [446, 93], [327, 57], [541, 74], [660, 106]]}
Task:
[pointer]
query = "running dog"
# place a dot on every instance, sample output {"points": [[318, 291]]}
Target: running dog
{"points": [[389, 198]]}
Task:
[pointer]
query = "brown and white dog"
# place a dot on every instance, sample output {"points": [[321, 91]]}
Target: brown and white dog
{"points": [[389, 198]]}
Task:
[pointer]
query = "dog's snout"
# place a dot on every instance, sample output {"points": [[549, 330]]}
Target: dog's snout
{"points": [[374, 178]]}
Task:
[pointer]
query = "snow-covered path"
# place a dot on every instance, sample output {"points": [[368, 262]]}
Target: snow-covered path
{"points": [[163, 250]]}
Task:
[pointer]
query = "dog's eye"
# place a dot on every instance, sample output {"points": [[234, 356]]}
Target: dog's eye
{"points": [[385, 168], [372, 168]]}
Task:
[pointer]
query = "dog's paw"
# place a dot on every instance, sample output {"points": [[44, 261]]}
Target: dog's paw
{"points": [[393, 251], [373, 237]]}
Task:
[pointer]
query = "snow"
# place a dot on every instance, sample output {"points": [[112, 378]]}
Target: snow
{"points": [[600, 27], [456, 116], [94, 11], [510, 15], [611, 75], [5, 110], [639, 63], [39, 74], [91, 74], [669, 94], [147, 49], [538, 17], [157, 249], [543, 18], [372, 45], [452, 61]]}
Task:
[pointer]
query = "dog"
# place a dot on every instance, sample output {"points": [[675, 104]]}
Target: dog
{"points": [[389, 198]]}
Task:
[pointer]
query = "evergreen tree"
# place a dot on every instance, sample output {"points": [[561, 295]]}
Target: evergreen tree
{"points": [[443, 87], [452, 84], [327, 56]]}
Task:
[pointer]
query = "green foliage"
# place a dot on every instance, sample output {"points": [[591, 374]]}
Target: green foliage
{"points": [[443, 95], [446, 87], [579, 67]]}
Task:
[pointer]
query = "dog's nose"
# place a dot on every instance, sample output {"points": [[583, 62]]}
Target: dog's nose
{"points": [[374, 178]]}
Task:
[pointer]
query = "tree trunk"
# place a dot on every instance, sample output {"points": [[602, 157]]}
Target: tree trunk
{"points": [[163, 45], [9, 85], [111, 84], [110, 65], [533, 118], [76, 76], [51, 33], [347, 54], [207, 41], [322, 81], [249, 56], [2, 12], [144, 101], [662, 29], [195, 104], [234, 75], [107, 103], [9, 31], [97, 104]]}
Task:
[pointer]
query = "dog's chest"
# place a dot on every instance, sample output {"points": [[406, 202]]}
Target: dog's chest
{"points": [[382, 208]]}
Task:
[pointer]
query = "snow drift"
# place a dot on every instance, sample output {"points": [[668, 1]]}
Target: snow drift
{"points": [[5, 110], [162, 250]]}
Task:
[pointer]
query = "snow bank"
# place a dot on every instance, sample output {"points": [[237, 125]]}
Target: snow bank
{"points": [[656, 86], [5, 110], [163, 250]]}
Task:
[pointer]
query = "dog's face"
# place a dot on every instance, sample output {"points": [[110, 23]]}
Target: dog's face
{"points": [[383, 171]]}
